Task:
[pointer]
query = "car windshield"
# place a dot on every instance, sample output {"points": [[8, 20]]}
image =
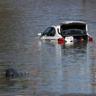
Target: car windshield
{"points": [[50, 31], [73, 32]]}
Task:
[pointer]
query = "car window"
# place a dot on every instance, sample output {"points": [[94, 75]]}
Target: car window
{"points": [[50, 31]]}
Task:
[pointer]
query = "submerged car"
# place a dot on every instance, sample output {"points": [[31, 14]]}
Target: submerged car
{"points": [[67, 32]]}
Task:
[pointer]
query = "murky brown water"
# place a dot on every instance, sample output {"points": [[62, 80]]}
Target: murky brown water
{"points": [[45, 69]]}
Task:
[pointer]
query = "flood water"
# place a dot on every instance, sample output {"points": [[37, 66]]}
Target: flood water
{"points": [[45, 68]]}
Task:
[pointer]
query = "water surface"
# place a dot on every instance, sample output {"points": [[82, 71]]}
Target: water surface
{"points": [[44, 68]]}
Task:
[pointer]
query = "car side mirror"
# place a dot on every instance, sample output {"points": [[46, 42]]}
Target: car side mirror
{"points": [[39, 34]]}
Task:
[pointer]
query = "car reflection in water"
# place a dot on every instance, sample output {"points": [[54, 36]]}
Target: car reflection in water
{"points": [[66, 69]]}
